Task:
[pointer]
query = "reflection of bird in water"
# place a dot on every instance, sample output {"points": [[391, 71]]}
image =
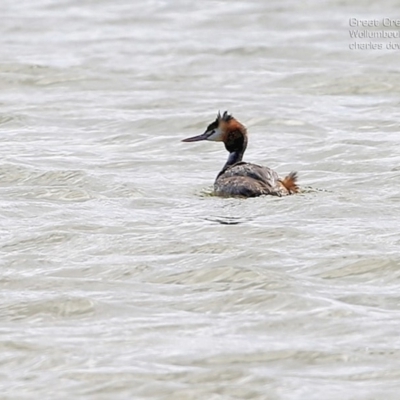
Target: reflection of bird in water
{"points": [[238, 178]]}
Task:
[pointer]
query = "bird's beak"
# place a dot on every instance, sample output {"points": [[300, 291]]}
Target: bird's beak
{"points": [[204, 136]]}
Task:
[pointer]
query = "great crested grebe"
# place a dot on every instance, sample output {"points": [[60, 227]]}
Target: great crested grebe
{"points": [[238, 178]]}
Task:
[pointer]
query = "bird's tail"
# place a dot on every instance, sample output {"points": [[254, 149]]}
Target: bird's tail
{"points": [[289, 182]]}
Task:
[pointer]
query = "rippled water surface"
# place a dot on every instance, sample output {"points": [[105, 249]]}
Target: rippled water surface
{"points": [[121, 277]]}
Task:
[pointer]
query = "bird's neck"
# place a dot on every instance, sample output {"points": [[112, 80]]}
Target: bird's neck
{"points": [[235, 143], [233, 158]]}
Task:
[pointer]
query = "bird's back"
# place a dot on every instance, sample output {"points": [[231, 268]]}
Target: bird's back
{"points": [[249, 180]]}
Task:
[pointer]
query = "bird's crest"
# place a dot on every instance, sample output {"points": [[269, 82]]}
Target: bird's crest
{"points": [[225, 116]]}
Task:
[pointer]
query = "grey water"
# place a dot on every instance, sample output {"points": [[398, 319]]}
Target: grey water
{"points": [[121, 276]]}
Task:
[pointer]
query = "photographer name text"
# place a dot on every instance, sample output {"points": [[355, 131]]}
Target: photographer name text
{"points": [[362, 30]]}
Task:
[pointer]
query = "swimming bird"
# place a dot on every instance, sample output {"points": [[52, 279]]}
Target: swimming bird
{"points": [[238, 178]]}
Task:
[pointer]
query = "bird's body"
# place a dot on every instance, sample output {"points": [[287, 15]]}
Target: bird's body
{"points": [[238, 178], [250, 180]]}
